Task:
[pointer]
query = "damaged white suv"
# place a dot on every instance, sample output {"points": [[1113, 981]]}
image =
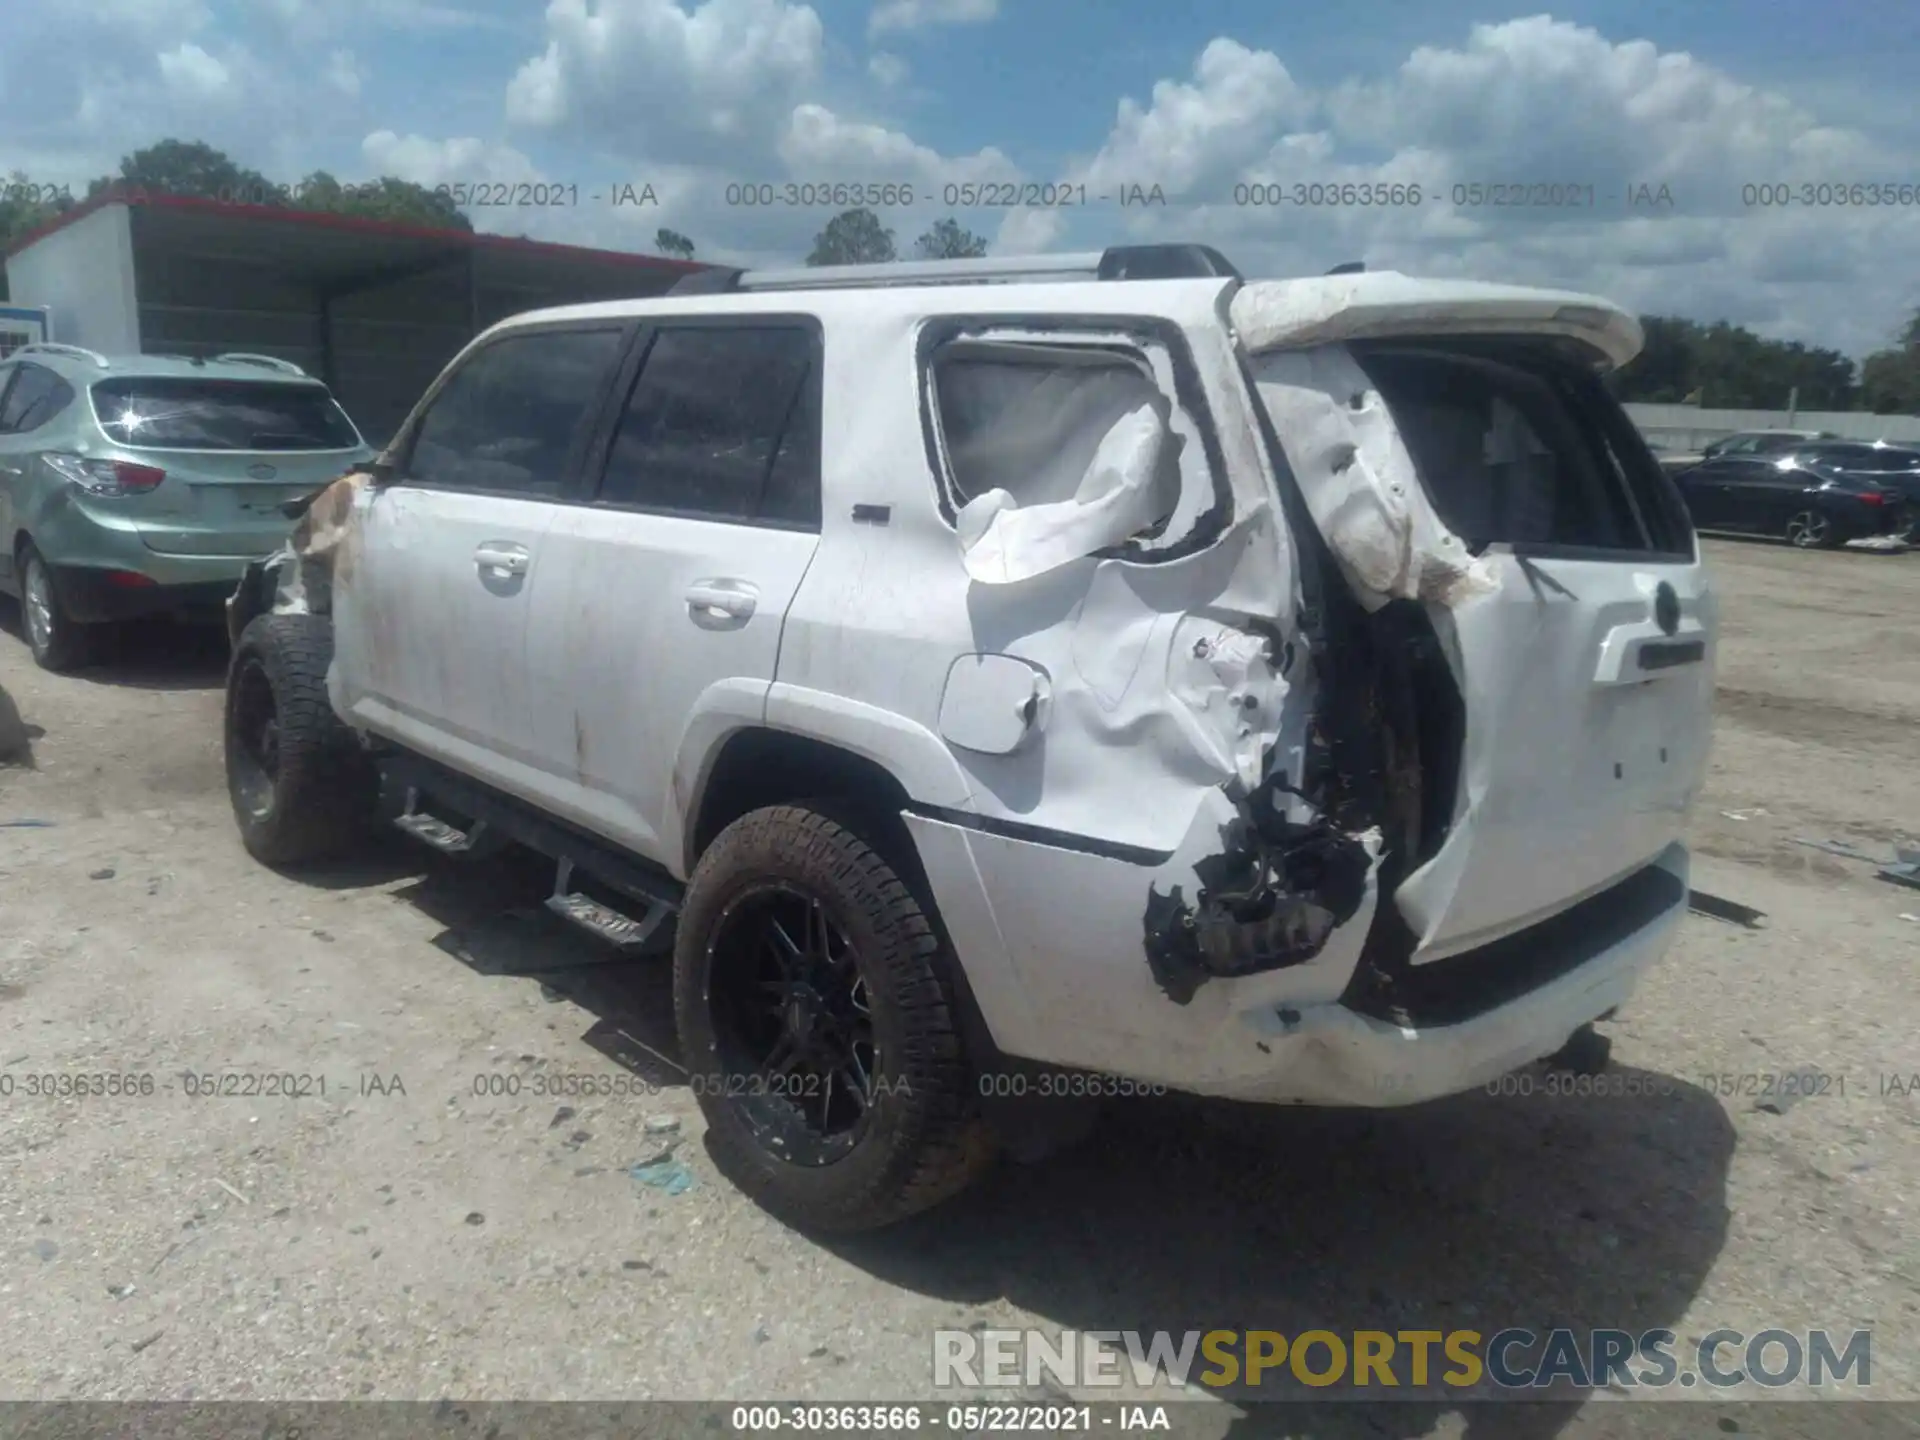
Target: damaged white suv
{"points": [[1046, 677]]}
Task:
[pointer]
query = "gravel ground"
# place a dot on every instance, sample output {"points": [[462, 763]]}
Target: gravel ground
{"points": [[405, 1237]]}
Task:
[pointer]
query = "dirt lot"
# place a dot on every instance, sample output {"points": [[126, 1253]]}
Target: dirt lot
{"points": [[442, 1242]]}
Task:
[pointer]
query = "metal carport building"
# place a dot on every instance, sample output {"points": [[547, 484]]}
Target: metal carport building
{"points": [[372, 307]]}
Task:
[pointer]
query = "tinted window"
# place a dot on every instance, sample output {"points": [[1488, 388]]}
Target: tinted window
{"points": [[35, 398], [724, 423], [1869, 459], [186, 413], [507, 419], [1512, 456]]}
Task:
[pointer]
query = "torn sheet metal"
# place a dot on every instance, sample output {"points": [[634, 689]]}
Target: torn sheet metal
{"points": [[1269, 900], [1359, 482], [1271, 314]]}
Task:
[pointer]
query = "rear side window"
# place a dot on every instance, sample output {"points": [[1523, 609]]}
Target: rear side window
{"points": [[508, 418], [723, 423], [1525, 455], [1870, 461], [186, 413], [36, 396]]}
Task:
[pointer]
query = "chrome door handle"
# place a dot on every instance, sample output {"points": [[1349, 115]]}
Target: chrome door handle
{"points": [[502, 559], [732, 598]]}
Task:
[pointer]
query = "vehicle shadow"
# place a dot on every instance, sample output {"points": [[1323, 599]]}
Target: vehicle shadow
{"points": [[154, 654], [1479, 1212]]}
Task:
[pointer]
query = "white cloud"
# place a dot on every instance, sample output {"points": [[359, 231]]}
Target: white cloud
{"points": [[1532, 101], [819, 143], [647, 79], [922, 14], [192, 74], [1200, 132], [888, 70], [464, 160]]}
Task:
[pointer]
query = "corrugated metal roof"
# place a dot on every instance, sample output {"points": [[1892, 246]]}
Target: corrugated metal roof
{"points": [[290, 222]]}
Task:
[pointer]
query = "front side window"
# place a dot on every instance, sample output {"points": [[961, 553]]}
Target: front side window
{"points": [[508, 418], [189, 413], [723, 423]]}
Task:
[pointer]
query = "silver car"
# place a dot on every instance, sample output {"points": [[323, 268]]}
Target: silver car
{"points": [[144, 485]]}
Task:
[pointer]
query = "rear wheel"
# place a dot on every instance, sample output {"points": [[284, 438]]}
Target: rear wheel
{"points": [[301, 786], [58, 641], [819, 1028], [1810, 530]]}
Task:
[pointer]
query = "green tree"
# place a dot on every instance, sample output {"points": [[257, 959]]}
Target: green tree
{"points": [[950, 240], [853, 237], [672, 242], [1730, 367], [189, 167], [24, 206], [387, 198], [1890, 379]]}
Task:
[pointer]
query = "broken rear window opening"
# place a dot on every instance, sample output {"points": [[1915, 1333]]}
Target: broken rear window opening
{"points": [[189, 414], [1530, 458], [1057, 447]]}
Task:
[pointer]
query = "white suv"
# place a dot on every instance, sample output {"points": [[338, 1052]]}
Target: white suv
{"points": [[1053, 677]]}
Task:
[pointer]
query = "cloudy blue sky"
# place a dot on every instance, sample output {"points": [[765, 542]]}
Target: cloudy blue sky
{"points": [[690, 96]]}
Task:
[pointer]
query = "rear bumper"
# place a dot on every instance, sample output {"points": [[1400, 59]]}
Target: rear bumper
{"points": [[1050, 943], [99, 596]]}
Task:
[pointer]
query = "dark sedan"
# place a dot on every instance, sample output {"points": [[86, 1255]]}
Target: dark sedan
{"points": [[1820, 494]]}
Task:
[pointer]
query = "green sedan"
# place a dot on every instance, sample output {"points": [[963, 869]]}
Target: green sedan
{"points": [[144, 485]]}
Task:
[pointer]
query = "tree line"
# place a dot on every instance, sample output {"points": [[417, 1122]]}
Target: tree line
{"points": [[1717, 365]]}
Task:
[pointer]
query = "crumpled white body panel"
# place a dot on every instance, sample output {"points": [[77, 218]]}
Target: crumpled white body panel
{"points": [[1359, 481]]}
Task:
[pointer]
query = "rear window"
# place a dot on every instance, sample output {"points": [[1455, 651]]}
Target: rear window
{"points": [[1526, 453], [166, 413]]}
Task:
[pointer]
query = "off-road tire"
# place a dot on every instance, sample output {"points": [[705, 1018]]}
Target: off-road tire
{"points": [[69, 645], [926, 1140], [320, 797]]}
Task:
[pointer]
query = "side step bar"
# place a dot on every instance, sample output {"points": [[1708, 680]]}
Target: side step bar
{"points": [[475, 843], [498, 821], [630, 934]]}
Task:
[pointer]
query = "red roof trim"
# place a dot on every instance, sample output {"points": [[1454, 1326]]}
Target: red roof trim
{"points": [[325, 220]]}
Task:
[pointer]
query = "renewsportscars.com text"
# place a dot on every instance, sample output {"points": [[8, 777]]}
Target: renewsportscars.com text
{"points": [[1382, 1361]]}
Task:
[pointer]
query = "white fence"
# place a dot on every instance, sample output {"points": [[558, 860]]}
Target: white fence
{"points": [[1688, 427]]}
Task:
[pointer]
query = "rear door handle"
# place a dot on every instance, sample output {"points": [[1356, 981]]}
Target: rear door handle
{"points": [[502, 558], [734, 599]]}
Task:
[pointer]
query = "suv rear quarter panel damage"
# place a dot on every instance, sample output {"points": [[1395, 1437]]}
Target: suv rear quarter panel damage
{"points": [[1094, 703]]}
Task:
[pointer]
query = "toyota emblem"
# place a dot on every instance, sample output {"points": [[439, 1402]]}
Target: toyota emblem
{"points": [[262, 472], [1666, 608]]}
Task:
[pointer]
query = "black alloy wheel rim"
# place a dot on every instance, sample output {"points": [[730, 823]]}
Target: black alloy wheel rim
{"points": [[793, 1021]]}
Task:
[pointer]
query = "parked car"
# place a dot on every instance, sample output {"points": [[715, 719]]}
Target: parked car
{"points": [[1066, 686], [145, 484], [1818, 495], [1743, 442]]}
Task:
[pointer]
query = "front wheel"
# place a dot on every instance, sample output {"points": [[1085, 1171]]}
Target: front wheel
{"points": [[819, 1030], [1810, 530], [302, 787]]}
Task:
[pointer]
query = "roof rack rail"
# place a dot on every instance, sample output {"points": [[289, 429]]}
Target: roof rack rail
{"points": [[271, 362], [72, 352], [1118, 262]]}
